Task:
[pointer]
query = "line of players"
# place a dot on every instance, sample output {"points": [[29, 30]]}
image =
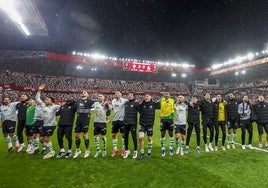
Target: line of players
{"points": [[39, 120]]}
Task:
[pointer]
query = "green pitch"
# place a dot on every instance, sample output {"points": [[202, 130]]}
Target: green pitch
{"points": [[231, 168]]}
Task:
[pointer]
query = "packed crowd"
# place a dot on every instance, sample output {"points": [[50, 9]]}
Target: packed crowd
{"points": [[31, 81]]}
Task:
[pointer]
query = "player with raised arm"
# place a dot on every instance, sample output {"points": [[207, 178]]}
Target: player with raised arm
{"points": [[49, 115]]}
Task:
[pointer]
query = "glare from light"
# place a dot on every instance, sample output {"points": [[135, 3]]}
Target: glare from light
{"points": [[243, 72], [250, 56], [236, 73], [79, 67], [173, 75], [183, 75], [9, 8], [73, 53], [97, 56]]}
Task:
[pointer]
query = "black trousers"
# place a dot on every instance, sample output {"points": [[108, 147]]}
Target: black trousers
{"points": [[133, 129], [217, 130], [208, 124], [189, 133], [67, 131], [246, 125], [20, 128]]}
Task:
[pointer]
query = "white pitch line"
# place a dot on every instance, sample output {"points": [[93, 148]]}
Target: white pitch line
{"points": [[236, 143]]}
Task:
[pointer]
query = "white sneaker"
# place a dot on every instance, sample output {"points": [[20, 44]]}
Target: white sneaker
{"points": [[127, 152], [178, 150], [86, 155], [216, 148], [21, 147], [228, 146], [233, 146], [250, 146], [243, 146], [210, 147], [29, 148], [97, 153], [260, 146], [135, 154], [49, 154], [77, 152], [181, 152], [206, 148], [104, 153], [223, 148]]}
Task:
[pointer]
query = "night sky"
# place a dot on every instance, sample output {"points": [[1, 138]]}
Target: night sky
{"points": [[198, 32]]}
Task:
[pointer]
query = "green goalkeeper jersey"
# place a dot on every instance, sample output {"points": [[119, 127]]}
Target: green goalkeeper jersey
{"points": [[30, 115]]}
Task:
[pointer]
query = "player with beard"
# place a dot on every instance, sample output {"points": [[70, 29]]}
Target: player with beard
{"points": [[100, 109], [130, 123], [49, 115], [180, 124], [206, 108], [219, 118], [21, 108], [65, 126], [245, 110], [193, 120], [84, 106], [147, 116], [166, 123], [260, 115], [118, 105], [9, 118], [233, 120]]}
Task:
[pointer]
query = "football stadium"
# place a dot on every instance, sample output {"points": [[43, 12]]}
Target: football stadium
{"points": [[133, 93]]}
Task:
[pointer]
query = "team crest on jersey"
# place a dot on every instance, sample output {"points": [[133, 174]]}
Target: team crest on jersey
{"points": [[151, 106], [69, 107], [264, 106], [132, 106]]}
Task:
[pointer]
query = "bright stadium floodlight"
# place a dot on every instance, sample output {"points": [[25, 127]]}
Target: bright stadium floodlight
{"points": [[9, 8], [73, 53], [79, 67], [236, 73], [243, 72], [183, 75], [97, 56], [173, 75], [250, 56]]}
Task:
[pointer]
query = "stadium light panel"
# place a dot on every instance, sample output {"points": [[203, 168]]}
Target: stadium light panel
{"points": [[183, 75], [8, 6], [243, 72], [173, 75], [236, 73]]}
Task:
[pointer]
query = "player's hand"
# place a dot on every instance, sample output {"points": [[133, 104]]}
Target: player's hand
{"points": [[42, 87]]}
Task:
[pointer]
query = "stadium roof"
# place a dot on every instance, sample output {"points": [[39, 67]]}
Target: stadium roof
{"points": [[22, 15]]}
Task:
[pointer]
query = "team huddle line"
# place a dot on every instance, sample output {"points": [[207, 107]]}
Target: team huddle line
{"points": [[38, 118]]}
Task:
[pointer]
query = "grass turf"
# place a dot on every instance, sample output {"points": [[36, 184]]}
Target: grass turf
{"points": [[231, 168]]}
